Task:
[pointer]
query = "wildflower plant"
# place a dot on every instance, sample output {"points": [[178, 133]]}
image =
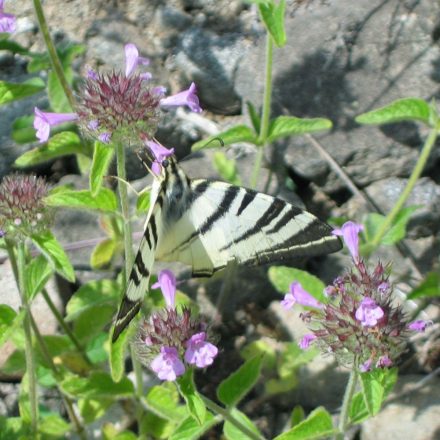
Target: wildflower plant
{"points": [[356, 318]]}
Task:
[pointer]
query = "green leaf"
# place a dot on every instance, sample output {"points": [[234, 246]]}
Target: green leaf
{"points": [[103, 253], [227, 168], [98, 385], [263, 349], [190, 429], [255, 117], [23, 131], [429, 287], [317, 425], [153, 426], [57, 98], [102, 158], [93, 409], [117, 354], [143, 202], [93, 321], [240, 382], [13, 428], [97, 293], [37, 273], [7, 317], [233, 433], [96, 350], [12, 92], [376, 385], [54, 253], [358, 410], [163, 400], [281, 277], [273, 18], [105, 199], [61, 144], [14, 47], [238, 133], [194, 402], [290, 126], [54, 425], [406, 109], [396, 232], [297, 415]]}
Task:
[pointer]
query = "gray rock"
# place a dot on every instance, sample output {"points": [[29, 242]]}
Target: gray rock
{"points": [[334, 66], [415, 415], [211, 61]]}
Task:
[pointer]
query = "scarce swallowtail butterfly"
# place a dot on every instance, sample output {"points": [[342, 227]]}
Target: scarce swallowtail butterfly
{"points": [[206, 224]]}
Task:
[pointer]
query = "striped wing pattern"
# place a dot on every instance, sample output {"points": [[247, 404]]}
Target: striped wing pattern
{"points": [[223, 223], [207, 224], [143, 264]]}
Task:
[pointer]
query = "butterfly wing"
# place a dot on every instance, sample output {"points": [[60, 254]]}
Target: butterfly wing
{"points": [[140, 273], [222, 222]]}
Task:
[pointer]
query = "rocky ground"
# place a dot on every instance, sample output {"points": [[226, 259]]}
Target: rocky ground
{"points": [[342, 58]]}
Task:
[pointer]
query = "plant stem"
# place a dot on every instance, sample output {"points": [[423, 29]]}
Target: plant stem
{"points": [[348, 396], [20, 264], [227, 416], [128, 245], [54, 60], [265, 117], [64, 326], [58, 376], [417, 171]]}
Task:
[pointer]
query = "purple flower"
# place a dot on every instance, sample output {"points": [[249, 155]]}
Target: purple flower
{"points": [[383, 362], [199, 352], [187, 97], [419, 325], [167, 283], [350, 234], [299, 295], [369, 313], [167, 364], [160, 153], [7, 21], [366, 366], [306, 340], [105, 137], [93, 124], [43, 121], [383, 287], [132, 59]]}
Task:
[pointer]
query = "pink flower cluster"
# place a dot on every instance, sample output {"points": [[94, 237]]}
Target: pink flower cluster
{"points": [[170, 340], [358, 323], [121, 106], [7, 21]]}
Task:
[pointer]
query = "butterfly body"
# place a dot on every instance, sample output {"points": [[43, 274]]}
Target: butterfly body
{"points": [[206, 224]]}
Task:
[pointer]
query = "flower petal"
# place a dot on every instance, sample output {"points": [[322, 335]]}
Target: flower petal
{"points": [[186, 97], [350, 233]]}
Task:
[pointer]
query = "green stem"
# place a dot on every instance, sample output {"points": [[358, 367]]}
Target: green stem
{"points": [[265, 117], [417, 171], [348, 396], [128, 245], [54, 60], [231, 419], [58, 376], [64, 326], [20, 264]]}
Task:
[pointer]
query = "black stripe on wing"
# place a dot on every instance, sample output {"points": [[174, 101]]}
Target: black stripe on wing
{"points": [[127, 311]]}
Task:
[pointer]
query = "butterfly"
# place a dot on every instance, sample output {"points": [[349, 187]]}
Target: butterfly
{"points": [[207, 224]]}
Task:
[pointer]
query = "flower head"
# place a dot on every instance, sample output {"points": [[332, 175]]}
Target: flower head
{"points": [[22, 206], [350, 233], [43, 121], [7, 21], [187, 97], [299, 295], [360, 323], [167, 283], [200, 352], [118, 106], [167, 365]]}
